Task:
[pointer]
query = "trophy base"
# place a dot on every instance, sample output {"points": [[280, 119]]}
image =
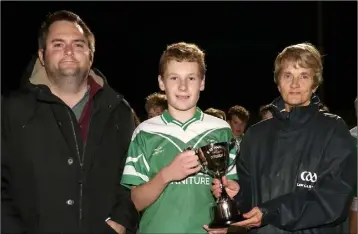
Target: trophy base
{"points": [[225, 223]]}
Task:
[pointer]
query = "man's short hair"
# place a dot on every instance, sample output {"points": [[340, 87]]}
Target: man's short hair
{"points": [[65, 16], [264, 109], [182, 52], [216, 112], [156, 100], [240, 112], [304, 55]]}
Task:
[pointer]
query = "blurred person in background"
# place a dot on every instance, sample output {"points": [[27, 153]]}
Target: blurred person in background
{"points": [[155, 104], [238, 118], [216, 112], [265, 112]]}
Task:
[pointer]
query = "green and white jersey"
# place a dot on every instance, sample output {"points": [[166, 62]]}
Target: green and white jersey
{"points": [[184, 206]]}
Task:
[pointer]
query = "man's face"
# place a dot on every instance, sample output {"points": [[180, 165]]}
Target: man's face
{"points": [[67, 52], [296, 85], [182, 84], [154, 111], [237, 125]]}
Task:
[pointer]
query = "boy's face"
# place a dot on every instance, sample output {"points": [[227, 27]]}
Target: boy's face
{"points": [[182, 83], [237, 125], [155, 111]]}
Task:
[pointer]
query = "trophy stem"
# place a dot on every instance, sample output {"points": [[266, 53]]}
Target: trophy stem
{"points": [[224, 195], [226, 211]]}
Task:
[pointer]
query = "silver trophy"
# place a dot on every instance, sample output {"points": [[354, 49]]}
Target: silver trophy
{"points": [[215, 158]]}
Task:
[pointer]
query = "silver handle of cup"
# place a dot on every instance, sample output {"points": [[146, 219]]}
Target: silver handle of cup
{"points": [[233, 142], [204, 169]]}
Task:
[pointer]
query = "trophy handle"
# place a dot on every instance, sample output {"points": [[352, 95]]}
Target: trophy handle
{"points": [[203, 163], [204, 168], [234, 142]]}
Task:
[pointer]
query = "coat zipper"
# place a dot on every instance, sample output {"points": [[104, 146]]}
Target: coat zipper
{"points": [[81, 161]]}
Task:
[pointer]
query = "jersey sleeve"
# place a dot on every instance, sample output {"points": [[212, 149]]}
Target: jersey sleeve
{"points": [[136, 169]]}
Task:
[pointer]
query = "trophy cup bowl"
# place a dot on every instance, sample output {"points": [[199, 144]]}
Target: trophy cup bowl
{"points": [[214, 159]]}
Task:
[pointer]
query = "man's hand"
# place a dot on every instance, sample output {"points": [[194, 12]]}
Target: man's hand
{"points": [[117, 227], [215, 231], [253, 219], [183, 165], [231, 187]]}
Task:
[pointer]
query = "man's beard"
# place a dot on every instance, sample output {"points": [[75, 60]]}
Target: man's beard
{"points": [[67, 76], [68, 72]]}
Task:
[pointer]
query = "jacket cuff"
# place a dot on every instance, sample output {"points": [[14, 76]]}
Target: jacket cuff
{"points": [[129, 219], [268, 215], [109, 229]]}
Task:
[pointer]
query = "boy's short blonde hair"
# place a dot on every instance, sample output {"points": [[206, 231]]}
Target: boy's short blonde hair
{"points": [[180, 52]]}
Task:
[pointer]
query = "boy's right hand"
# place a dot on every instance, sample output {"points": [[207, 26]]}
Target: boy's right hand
{"points": [[183, 165], [232, 187]]}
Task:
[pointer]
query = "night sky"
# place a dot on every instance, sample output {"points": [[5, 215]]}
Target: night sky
{"points": [[241, 40]]}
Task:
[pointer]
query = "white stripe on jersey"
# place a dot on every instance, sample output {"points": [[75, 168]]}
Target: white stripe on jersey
{"points": [[170, 140], [159, 125], [133, 159], [130, 170], [202, 137]]}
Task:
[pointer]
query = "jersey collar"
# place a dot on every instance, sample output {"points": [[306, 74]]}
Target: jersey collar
{"points": [[167, 118]]}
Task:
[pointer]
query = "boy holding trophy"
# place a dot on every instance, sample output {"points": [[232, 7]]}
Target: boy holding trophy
{"points": [[165, 178]]}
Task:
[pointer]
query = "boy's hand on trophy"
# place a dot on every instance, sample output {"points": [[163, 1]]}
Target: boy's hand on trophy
{"points": [[231, 187], [216, 188], [183, 165]]}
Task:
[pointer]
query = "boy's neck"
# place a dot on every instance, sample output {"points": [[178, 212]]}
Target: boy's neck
{"points": [[182, 116]]}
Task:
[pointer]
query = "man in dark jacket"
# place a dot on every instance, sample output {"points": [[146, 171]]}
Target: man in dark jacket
{"points": [[297, 170], [64, 139]]}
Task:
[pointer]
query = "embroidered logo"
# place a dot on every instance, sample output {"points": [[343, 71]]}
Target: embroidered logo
{"points": [[308, 179], [158, 150]]}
